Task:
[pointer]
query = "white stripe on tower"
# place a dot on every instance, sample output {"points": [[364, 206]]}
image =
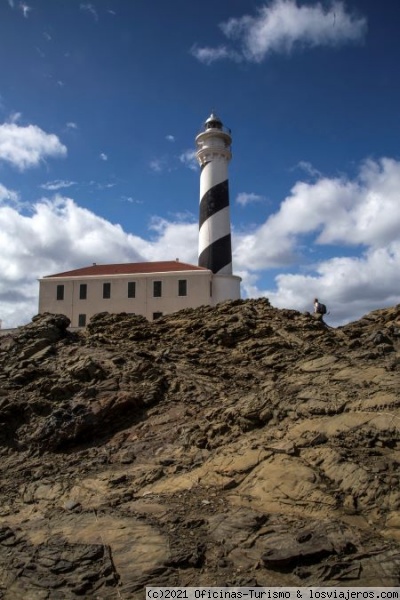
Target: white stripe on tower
{"points": [[214, 154]]}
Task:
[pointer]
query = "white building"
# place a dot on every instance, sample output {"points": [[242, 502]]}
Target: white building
{"points": [[153, 289], [150, 289]]}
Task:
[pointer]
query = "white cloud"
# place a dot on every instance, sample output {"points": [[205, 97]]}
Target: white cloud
{"points": [[244, 198], [368, 207], [283, 26], [188, 158], [25, 9], [174, 239], [350, 286], [102, 186], [7, 195], [14, 117], [209, 55], [103, 156], [26, 147], [71, 125], [361, 214], [131, 200], [59, 235], [156, 165], [308, 168], [58, 184], [56, 236], [89, 8], [170, 138], [169, 162]]}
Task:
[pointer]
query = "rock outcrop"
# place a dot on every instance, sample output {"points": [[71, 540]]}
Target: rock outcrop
{"points": [[240, 445]]}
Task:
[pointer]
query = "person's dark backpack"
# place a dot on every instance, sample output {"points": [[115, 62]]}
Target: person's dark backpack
{"points": [[321, 308]]}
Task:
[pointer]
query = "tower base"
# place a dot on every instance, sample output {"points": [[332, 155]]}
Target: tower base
{"points": [[225, 287]]}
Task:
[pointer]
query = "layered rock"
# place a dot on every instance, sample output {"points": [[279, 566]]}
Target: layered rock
{"points": [[236, 445]]}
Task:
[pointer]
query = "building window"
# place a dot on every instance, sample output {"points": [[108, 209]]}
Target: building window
{"points": [[83, 291], [81, 320], [131, 289], [106, 290], [157, 289], [157, 315], [182, 287], [60, 292]]}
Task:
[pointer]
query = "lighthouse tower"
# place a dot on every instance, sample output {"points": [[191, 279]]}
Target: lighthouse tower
{"points": [[215, 248]]}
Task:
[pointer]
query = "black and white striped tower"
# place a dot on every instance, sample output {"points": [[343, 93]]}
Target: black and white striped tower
{"points": [[214, 153]]}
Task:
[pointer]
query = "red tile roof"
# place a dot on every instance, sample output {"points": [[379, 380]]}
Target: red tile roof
{"points": [[166, 266]]}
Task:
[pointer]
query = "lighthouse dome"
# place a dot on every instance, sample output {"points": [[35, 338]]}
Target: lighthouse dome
{"points": [[213, 122]]}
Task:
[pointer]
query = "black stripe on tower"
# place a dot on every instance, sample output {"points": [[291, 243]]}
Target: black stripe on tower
{"points": [[216, 256], [214, 200]]}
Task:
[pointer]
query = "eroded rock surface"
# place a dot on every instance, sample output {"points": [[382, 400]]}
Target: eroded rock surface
{"points": [[240, 445]]}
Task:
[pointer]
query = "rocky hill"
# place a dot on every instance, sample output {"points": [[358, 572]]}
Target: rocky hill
{"points": [[233, 446]]}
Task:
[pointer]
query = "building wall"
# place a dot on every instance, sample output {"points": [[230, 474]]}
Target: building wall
{"points": [[225, 287], [198, 293]]}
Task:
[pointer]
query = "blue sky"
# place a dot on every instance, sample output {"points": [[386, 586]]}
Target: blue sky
{"points": [[100, 103]]}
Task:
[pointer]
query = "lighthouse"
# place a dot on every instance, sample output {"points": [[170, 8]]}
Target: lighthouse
{"points": [[213, 146], [214, 153]]}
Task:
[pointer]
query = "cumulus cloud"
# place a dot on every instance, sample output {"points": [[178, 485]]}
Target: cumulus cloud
{"points": [[282, 26], [26, 147], [170, 138], [7, 195], [176, 238], [59, 235], [245, 198], [299, 242], [103, 156], [37, 243], [361, 214], [351, 286]]}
